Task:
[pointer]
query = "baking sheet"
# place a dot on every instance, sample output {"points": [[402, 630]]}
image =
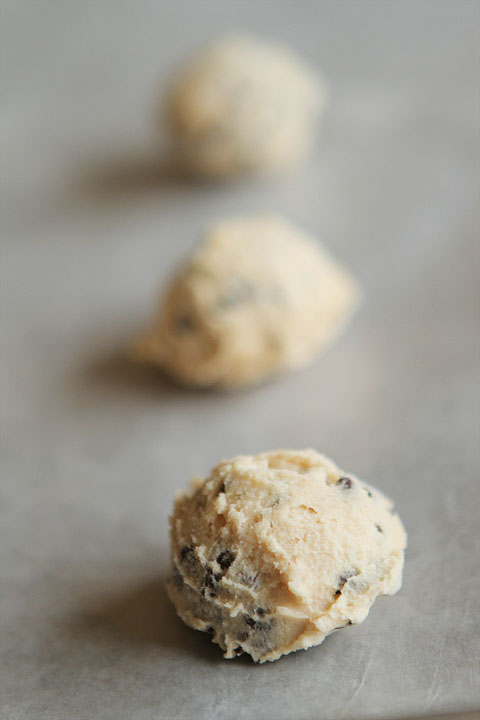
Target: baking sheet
{"points": [[93, 449]]}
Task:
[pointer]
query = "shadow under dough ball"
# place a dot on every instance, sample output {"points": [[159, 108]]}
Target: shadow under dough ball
{"points": [[242, 106], [257, 297], [273, 552]]}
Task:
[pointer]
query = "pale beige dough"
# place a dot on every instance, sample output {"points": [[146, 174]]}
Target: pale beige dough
{"points": [[256, 297], [243, 105], [271, 553]]}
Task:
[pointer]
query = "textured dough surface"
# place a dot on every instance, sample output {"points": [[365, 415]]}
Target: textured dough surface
{"points": [[243, 105], [258, 296], [271, 553]]}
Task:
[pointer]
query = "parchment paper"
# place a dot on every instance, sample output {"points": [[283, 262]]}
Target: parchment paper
{"points": [[94, 448]]}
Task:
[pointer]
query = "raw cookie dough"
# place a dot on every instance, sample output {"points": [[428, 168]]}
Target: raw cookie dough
{"points": [[273, 552], [243, 105], [256, 297]]}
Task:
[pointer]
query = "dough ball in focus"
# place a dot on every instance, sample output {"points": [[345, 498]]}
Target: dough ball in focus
{"points": [[271, 553], [243, 106], [257, 296]]}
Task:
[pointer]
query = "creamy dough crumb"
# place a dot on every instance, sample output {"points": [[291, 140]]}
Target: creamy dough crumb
{"points": [[273, 552], [257, 296], [243, 105]]}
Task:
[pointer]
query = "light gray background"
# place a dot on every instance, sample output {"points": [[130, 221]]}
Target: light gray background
{"points": [[94, 449]]}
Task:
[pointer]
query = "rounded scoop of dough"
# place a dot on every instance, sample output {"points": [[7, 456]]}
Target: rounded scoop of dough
{"points": [[258, 296], [271, 553], [243, 105]]}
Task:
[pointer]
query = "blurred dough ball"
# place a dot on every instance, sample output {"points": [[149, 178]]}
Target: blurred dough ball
{"points": [[257, 296], [243, 105]]}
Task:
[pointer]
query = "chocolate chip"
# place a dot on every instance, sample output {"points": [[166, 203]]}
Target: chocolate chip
{"points": [[260, 627], [260, 637], [187, 555], [209, 582], [379, 528], [265, 626], [343, 580], [339, 627], [250, 621], [184, 323], [345, 482], [261, 611], [225, 559], [249, 580]]}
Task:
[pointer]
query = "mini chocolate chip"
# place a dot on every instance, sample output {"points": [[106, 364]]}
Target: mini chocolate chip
{"points": [[225, 559], [349, 622], [260, 611], [345, 482], [249, 580], [343, 579], [262, 626], [208, 582], [250, 621], [184, 323], [379, 528], [265, 626], [187, 554]]}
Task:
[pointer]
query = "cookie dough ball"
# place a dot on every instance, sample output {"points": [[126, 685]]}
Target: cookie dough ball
{"points": [[273, 552], [243, 106], [258, 296]]}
